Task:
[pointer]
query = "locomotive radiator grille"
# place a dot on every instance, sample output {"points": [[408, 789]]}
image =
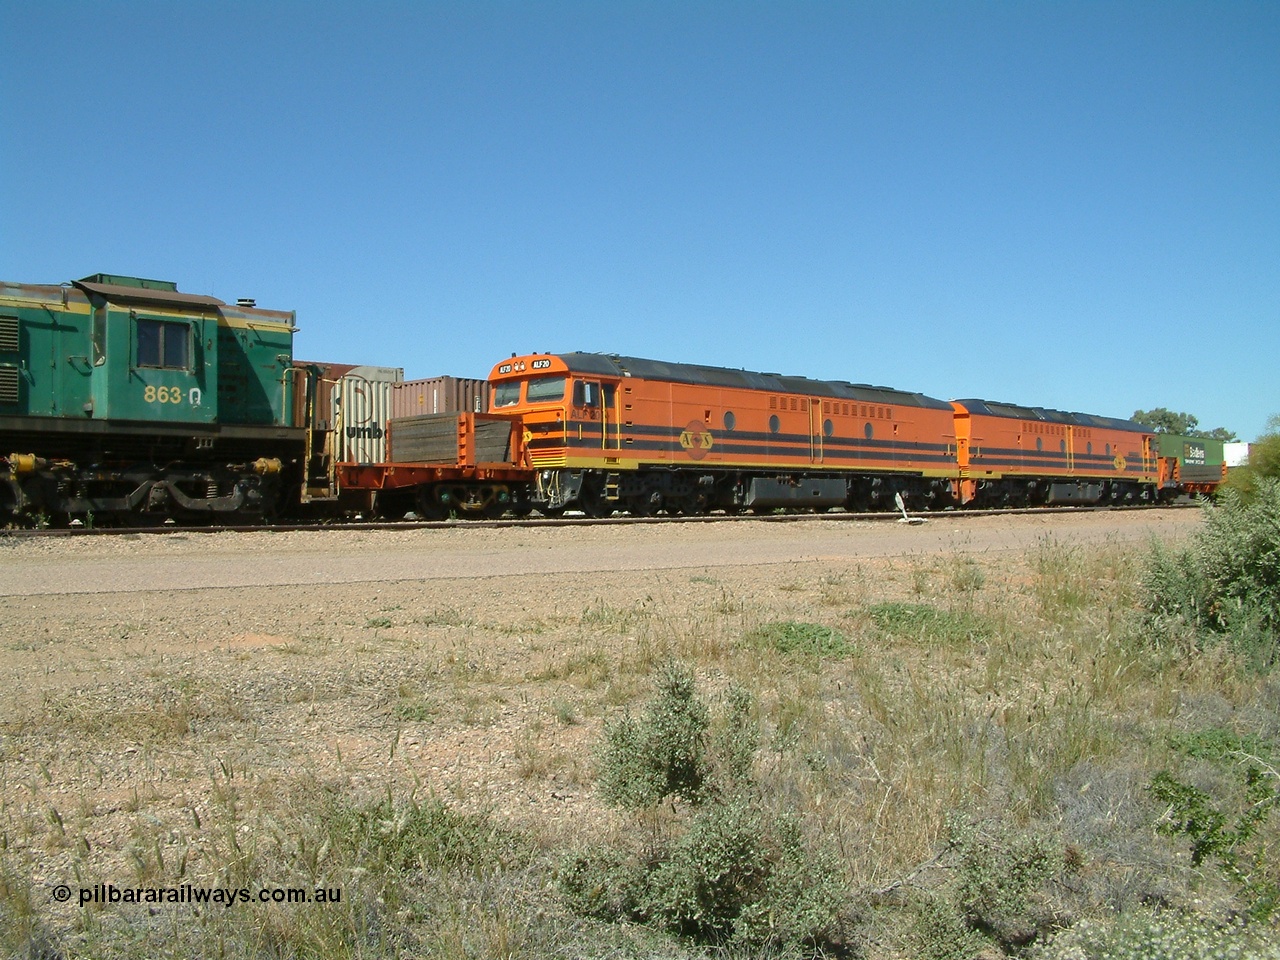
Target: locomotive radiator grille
{"points": [[9, 378], [8, 334]]}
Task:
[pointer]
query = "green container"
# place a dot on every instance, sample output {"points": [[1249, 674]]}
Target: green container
{"points": [[1199, 459]]}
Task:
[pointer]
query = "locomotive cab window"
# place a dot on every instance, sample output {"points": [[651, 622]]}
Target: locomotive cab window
{"points": [[545, 388], [586, 393], [163, 344], [506, 394]]}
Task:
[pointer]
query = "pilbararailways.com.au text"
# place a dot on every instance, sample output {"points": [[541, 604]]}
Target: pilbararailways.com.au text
{"points": [[109, 893]]}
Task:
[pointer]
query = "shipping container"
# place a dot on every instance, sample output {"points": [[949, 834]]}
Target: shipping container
{"points": [[326, 377], [1199, 459], [415, 398], [362, 408], [1236, 454]]}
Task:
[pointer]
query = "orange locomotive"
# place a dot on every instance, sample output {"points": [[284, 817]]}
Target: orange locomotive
{"points": [[607, 433], [1010, 455]]}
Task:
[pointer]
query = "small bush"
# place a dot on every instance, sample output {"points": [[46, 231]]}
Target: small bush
{"points": [[1217, 743], [661, 755], [939, 932], [1002, 879], [1226, 583], [1156, 936], [806, 639], [394, 838], [732, 874], [1228, 834], [734, 877]]}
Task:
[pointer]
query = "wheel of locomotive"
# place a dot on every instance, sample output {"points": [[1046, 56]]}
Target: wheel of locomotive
{"points": [[594, 505], [646, 503], [639, 507]]}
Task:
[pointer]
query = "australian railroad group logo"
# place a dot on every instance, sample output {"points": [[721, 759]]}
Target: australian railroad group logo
{"points": [[696, 439]]}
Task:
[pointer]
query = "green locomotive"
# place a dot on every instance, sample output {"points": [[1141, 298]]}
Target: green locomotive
{"points": [[123, 398]]}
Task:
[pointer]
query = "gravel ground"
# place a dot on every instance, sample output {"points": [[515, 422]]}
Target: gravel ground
{"points": [[142, 671]]}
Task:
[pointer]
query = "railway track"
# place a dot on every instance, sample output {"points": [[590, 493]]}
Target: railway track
{"points": [[574, 521]]}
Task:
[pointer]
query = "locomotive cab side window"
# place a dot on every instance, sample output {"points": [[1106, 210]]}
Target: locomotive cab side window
{"points": [[543, 389], [507, 394], [586, 393], [163, 344]]}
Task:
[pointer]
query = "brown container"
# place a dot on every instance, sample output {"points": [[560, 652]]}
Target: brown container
{"points": [[415, 398]]}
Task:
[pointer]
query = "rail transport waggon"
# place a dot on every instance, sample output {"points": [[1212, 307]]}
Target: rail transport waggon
{"points": [[126, 401]]}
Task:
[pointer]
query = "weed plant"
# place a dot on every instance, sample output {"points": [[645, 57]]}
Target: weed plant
{"points": [[731, 874], [1225, 585]]}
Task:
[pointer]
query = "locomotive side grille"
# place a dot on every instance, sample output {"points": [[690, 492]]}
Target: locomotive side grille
{"points": [[540, 460], [8, 334], [8, 384]]}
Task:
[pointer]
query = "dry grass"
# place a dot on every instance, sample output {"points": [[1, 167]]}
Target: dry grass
{"points": [[160, 751]]}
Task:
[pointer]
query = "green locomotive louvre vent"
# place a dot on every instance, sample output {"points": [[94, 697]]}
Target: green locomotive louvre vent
{"points": [[9, 384], [8, 334]]}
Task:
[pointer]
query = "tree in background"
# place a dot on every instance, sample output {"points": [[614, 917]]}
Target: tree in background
{"points": [[1162, 420]]}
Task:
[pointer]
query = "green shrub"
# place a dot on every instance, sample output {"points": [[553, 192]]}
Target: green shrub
{"points": [[603, 883], [920, 621], [661, 755], [394, 838], [731, 874], [805, 639], [1227, 833], [735, 877], [1001, 881], [939, 932]]}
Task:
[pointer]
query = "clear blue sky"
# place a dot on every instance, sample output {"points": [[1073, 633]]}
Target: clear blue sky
{"points": [[1071, 204]]}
